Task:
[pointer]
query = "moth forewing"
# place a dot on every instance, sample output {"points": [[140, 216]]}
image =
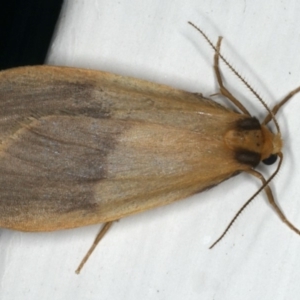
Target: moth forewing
{"points": [[91, 161]]}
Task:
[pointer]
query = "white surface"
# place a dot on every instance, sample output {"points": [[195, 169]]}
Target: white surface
{"points": [[163, 253]]}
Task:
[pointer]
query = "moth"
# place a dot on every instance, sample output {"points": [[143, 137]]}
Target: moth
{"points": [[80, 147]]}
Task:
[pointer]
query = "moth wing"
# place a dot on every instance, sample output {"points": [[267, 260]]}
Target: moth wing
{"points": [[125, 147]]}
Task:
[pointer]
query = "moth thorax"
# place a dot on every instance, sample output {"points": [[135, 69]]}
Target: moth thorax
{"points": [[261, 141], [248, 140]]}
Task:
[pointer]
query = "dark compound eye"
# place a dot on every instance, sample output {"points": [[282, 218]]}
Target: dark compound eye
{"points": [[270, 160]]}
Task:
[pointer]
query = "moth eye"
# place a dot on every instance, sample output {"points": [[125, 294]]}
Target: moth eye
{"points": [[270, 160]]}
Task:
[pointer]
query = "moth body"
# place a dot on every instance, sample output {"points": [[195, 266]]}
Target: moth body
{"points": [[80, 147]]}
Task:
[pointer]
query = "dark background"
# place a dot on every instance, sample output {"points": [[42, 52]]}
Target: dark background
{"points": [[26, 29]]}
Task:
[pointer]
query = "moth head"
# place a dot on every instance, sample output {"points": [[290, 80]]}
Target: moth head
{"points": [[271, 147]]}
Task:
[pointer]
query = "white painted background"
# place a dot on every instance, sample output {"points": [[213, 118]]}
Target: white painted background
{"points": [[163, 253]]}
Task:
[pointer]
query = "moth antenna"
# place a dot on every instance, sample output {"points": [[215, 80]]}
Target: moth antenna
{"points": [[231, 222], [247, 203], [270, 112], [270, 198]]}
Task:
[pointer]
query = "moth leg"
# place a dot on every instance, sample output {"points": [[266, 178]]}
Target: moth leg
{"points": [[272, 201], [280, 104], [98, 238], [223, 89]]}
